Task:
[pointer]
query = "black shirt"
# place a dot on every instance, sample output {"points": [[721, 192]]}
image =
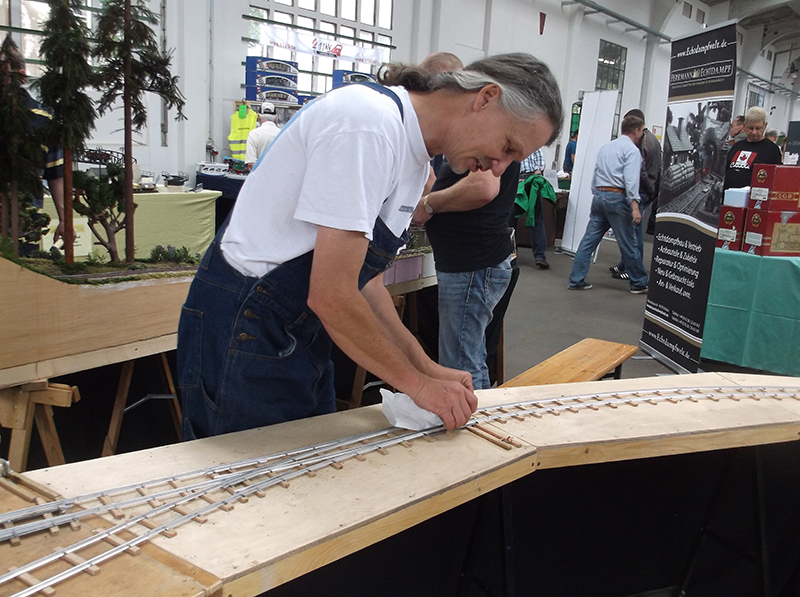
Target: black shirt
{"points": [[466, 241], [741, 158]]}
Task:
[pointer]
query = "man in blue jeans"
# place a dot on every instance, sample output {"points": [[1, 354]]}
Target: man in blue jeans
{"points": [[649, 178], [615, 204]]}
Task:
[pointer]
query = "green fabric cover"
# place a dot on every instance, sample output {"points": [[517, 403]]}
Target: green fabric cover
{"points": [[753, 314]]}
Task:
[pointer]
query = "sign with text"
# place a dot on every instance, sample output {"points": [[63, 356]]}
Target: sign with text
{"points": [[699, 111], [295, 41]]}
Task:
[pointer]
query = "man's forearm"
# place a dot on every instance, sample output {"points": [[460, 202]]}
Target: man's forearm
{"points": [[471, 192]]}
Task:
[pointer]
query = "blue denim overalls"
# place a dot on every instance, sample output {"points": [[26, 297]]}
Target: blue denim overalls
{"points": [[250, 351]]}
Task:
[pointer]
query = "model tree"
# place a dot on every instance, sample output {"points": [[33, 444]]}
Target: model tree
{"points": [[20, 150], [132, 64], [66, 53], [101, 199]]}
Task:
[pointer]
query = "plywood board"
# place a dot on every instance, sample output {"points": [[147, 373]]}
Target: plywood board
{"points": [[290, 531], [47, 321]]}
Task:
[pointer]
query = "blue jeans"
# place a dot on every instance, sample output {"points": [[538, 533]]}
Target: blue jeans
{"points": [[609, 210], [638, 238], [466, 301]]}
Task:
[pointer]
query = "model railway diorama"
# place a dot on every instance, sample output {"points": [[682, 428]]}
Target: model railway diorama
{"points": [[248, 511]]}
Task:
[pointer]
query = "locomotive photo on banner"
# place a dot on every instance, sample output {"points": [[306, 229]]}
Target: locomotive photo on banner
{"points": [[699, 115]]}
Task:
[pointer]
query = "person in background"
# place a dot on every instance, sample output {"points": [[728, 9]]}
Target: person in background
{"points": [[466, 219], [260, 137], [736, 133], [534, 165], [650, 149], [52, 157], [615, 204], [298, 266], [755, 149], [569, 155], [772, 135]]}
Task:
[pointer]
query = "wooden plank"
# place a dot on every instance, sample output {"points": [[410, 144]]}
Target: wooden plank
{"points": [[48, 434], [110, 443], [587, 360], [267, 541], [43, 319], [54, 395], [14, 376]]}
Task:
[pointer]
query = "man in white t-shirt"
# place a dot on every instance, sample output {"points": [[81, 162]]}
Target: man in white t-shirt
{"points": [[299, 266], [261, 136]]}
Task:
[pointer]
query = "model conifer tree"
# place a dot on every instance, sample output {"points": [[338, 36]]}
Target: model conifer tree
{"points": [[66, 53], [20, 151], [132, 64]]}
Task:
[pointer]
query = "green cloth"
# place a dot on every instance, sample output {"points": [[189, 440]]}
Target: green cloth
{"points": [[529, 191], [753, 313], [164, 218]]}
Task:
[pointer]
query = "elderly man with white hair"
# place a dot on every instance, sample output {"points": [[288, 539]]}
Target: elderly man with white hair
{"points": [[756, 149]]}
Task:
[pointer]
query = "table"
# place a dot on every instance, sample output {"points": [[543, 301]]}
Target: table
{"points": [[268, 539], [753, 314], [168, 217]]}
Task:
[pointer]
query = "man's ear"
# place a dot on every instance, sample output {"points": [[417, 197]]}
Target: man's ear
{"points": [[487, 95]]}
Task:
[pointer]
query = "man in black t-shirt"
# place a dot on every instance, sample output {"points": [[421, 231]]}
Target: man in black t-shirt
{"points": [[756, 149], [466, 218]]}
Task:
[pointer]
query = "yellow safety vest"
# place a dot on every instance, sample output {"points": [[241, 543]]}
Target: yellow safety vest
{"points": [[240, 128]]}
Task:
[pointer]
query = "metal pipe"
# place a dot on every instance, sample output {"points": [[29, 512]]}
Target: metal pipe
{"points": [[595, 7]]}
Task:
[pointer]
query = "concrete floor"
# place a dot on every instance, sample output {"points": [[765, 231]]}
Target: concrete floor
{"points": [[544, 317]]}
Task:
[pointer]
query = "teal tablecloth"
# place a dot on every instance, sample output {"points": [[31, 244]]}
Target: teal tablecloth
{"points": [[753, 314]]}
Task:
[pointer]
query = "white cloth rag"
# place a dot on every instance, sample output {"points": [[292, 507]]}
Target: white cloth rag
{"points": [[402, 412]]}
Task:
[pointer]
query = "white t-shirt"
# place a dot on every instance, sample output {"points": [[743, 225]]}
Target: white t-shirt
{"points": [[258, 139], [343, 161]]}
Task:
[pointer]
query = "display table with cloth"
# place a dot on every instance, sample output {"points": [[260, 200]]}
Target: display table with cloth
{"points": [[168, 217], [753, 314]]}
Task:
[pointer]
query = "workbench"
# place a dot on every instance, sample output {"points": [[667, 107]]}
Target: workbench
{"points": [[313, 520]]}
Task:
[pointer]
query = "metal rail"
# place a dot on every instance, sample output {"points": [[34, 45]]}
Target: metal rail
{"points": [[243, 478]]}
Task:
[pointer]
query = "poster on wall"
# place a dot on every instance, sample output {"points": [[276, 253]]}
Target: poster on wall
{"points": [[699, 112]]}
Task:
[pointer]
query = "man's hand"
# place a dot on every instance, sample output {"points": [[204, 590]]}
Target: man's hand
{"points": [[637, 216], [420, 216], [451, 400]]}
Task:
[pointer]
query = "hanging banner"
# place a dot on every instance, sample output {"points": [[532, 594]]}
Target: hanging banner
{"points": [[295, 41], [699, 112]]}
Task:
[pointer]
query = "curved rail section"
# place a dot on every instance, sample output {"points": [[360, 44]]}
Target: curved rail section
{"points": [[178, 499]]}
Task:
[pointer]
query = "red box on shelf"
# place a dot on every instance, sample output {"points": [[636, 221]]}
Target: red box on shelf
{"points": [[731, 227], [774, 187], [775, 233]]}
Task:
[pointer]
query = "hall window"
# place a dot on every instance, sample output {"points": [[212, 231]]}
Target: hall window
{"points": [[611, 60], [362, 23]]}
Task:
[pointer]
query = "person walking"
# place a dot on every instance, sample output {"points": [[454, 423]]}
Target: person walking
{"points": [[615, 205]]}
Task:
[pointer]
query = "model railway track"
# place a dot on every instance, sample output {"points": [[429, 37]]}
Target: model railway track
{"points": [[169, 502]]}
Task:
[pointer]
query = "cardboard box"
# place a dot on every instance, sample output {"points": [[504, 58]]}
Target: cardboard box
{"points": [[731, 227], [775, 233], [775, 188]]}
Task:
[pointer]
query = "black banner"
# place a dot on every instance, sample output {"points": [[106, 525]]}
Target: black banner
{"points": [[704, 65], [699, 113]]}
